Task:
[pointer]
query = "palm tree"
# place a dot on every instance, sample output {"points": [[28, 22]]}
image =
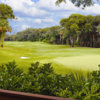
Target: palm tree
{"points": [[4, 27], [6, 13], [61, 33]]}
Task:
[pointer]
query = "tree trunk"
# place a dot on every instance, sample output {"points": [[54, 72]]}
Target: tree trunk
{"points": [[60, 38], [72, 42], [2, 39], [62, 41], [67, 41], [93, 39], [77, 40], [1, 45]]}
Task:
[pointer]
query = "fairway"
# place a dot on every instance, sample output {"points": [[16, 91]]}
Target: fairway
{"points": [[62, 57]]}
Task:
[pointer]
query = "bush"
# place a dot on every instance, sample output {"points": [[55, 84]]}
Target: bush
{"points": [[43, 80]]}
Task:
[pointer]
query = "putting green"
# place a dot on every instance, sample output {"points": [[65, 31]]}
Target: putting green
{"points": [[89, 62]]}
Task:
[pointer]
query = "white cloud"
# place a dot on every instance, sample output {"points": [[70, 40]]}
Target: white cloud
{"points": [[68, 7], [19, 19], [48, 20], [50, 4], [38, 21], [95, 9], [45, 20], [25, 27], [26, 7], [44, 13], [47, 7]]}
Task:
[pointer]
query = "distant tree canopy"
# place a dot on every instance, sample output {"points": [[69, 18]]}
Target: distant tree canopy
{"points": [[6, 13], [79, 3], [82, 30], [76, 30], [50, 35]]}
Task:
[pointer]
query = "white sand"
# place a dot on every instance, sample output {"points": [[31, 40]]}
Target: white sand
{"points": [[24, 57]]}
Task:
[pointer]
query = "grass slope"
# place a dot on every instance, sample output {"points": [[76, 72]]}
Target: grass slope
{"points": [[63, 58]]}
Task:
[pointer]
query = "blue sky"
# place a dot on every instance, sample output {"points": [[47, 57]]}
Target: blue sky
{"points": [[43, 13]]}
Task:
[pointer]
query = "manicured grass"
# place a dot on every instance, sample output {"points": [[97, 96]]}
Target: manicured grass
{"points": [[63, 58]]}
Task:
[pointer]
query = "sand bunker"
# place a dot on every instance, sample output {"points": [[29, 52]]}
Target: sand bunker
{"points": [[25, 57]]}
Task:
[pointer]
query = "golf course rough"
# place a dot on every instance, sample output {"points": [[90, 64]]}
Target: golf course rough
{"points": [[62, 57]]}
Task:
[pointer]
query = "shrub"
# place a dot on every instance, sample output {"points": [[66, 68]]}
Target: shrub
{"points": [[43, 80]]}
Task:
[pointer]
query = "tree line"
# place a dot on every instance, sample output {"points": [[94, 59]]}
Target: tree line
{"points": [[76, 30], [6, 13]]}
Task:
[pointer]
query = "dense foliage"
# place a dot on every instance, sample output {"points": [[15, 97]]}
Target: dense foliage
{"points": [[79, 3], [6, 13], [42, 79], [76, 30], [82, 30]]}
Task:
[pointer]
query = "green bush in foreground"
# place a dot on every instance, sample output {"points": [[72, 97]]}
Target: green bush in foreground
{"points": [[43, 80]]}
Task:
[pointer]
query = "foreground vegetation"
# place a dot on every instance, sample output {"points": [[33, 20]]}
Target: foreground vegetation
{"points": [[63, 58], [42, 79]]}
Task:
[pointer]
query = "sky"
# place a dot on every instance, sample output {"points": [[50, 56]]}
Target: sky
{"points": [[43, 13]]}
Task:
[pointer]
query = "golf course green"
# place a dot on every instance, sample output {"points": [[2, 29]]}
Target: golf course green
{"points": [[63, 58]]}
